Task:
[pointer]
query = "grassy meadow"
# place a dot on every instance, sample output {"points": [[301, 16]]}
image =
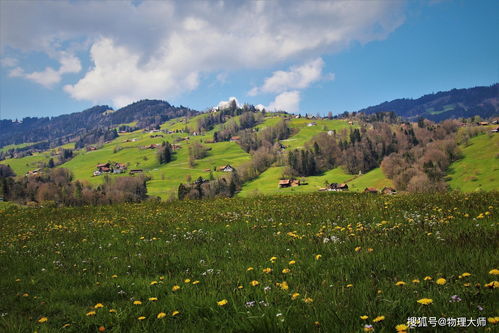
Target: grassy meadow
{"points": [[320, 262]]}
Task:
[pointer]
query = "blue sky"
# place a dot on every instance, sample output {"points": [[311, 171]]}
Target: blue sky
{"points": [[308, 57]]}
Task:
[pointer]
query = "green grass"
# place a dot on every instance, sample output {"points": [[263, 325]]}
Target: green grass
{"points": [[374, 178], [349, 251], [479, 169], [21, 145], [306, 133]]}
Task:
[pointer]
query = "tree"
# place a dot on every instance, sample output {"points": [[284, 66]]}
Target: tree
{"points": [[164, 153]]}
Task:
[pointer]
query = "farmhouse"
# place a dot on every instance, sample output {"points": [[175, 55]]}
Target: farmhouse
{"points": [[371, 190], [134, 171], [226, 168], [34, 172], [495, 130], [388, 190], [235, 139], [119, 168], [284, 183], [104, 167]]}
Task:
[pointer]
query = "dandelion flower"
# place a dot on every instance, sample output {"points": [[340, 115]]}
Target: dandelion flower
{"points": [[43, 320], [66, 325], [175, 288], [137, 302], [98, 306], [308, 300], [465, 274], [292, 262], [249, 269], [318, 256], [141, 318], [153, 283], [415, 281], [494, 271], [283, 285], [161, 315], [358, 248], [492, 284], [286, 270], [267, 270], [368, 328], [401, 328], [273, 259], [175, 313], [425, 301], [102, 329], [222, 302], [295, 296], [114, 276], [153, 299], [441, 281], [112, 311], [400, 283], [378, 319], [493, 320], [349, 285], [427, 278], [254, 283], [364, 317], [91, 313], [187, 281]]}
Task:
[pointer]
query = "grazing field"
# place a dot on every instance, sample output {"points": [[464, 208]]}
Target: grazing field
{"points": [[332, 262], [479, 168]]}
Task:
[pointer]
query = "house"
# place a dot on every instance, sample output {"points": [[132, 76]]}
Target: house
{"points": [[350, 122], [235, 139], [119, 168], [371, 190], [97, 173], [104, 167], [134, 171], [34, 172], [91, 148], [313, 123], [226, 168], [284, 183], [483, 123], [295, 182], [335, 187], [388, 190], [151, 146], [157, 136], [495, 130]]}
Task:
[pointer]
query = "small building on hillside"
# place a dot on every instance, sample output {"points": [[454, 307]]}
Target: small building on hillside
{"points": [[103, 167], [371, 190], [35, 172], [284, 183], [495, 130], [226, 168], [313, 123], [235, 139], [389, 190], [483, 123], [119, 168], [134, 171]]}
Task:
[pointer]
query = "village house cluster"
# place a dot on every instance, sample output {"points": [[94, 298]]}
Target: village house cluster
{"points": [[115, 168]]}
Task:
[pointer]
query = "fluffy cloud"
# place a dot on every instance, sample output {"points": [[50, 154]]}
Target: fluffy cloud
{"points": [[288, 101], [49, 76], [225, 104], [161, 49], [298, 77]]}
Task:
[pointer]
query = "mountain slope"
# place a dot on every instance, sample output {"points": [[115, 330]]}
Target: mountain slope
{"points": [[455, 103]]}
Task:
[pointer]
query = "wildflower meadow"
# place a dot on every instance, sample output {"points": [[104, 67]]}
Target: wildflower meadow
{"points": [[322, 262]]}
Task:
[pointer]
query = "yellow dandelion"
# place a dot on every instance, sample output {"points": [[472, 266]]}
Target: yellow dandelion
{"points": [[308, 300], [415, 281], [114, 276], [493, 320], [254, 283], [400, 283], [283, 285], [175, 288], [295, 296], [401, 328], [427, 278], [286, 270], [98, 306], [425, 301], [222, 302], [441, 281], [153, 299], [267, 270], [378, 319], [465, 274], [153, 283], [187, 281], [318, 256], [112, 311], [358, 248], [273, 259], [364, 317], [292, 262], [349, 285], [195, 282], [492, 284], [91, 313], [141, 318], [175, 313], [137, 302], [494, 271], [370, 249], [249, 269], [66, 325], [161, 315], [43, 320]]}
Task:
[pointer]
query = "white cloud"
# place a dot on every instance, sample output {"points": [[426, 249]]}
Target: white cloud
{"points": [[298, 77], [288, 101], [159, 49], [8, 61], [49, 76], [225, 104]]}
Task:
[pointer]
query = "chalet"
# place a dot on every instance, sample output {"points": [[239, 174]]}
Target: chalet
{"points": [[335, 187], [103, 167], [235, 139], [119, 168], [483, 123], [226, 168], [284, 183], [34, 172], [134, 171], [295, 182], [371, 190], [388, 190], [495, 130], [91, 148]]}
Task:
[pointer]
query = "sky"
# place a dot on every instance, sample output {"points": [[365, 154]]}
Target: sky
{"points": [[59, 57]]}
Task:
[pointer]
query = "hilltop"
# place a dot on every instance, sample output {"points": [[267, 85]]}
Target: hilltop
{"points": [[455, 103]]}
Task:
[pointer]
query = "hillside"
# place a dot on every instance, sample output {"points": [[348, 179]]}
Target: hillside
{"points": [[479, 168], [455, 103]]}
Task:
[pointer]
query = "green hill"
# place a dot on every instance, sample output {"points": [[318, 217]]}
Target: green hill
{"points": [[479, 169]]}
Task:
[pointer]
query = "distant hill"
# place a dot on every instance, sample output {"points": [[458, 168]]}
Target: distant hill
{"points": [[69, 127], [455, 103]]}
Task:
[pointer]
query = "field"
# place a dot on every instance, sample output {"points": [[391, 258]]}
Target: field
{"points": [[479, 169], [332, 262]]}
